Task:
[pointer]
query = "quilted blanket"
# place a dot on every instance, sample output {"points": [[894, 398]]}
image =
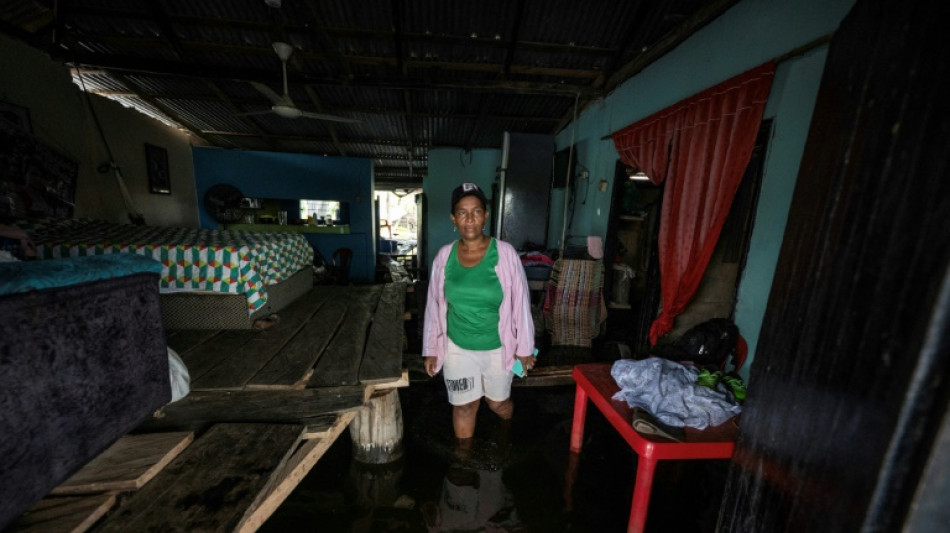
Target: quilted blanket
{"points": [[236, 262]]}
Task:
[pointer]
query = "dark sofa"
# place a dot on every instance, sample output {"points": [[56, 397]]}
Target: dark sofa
{"points": [[83, 360]]}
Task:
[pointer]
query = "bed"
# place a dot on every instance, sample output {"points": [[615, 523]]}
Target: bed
{"points": [[83, 360], [210, 279]]}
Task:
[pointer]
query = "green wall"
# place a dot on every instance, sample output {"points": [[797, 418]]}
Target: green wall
{"points": [[750, 33], [449, 167]]}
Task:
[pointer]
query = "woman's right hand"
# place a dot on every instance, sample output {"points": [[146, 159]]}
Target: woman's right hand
{"points": [[430, 364]]}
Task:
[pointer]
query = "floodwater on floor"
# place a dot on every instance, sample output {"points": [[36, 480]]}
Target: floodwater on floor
{"points": [[517, 478]]}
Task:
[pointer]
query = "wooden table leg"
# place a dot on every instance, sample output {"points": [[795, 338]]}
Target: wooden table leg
{"points": [[580, 412], [641, 494]]}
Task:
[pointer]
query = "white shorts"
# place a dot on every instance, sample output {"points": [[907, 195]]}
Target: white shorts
{"points": [[471, 374]]}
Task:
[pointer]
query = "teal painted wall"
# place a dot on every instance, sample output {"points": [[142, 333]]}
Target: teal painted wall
{"points": [[300, 176], [449, 167], [747, 35]]}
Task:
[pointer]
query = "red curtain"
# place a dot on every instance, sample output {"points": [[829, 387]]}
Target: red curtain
{"points": [[700, 148]]}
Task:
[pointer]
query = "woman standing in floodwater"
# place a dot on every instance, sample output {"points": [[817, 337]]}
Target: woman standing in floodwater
{"points": [[478, 316]]}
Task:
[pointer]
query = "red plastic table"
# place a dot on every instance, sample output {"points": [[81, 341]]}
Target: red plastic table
{"points": [[595, 383]]}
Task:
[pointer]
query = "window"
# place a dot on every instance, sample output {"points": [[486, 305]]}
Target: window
{"points": [[320, 210]]}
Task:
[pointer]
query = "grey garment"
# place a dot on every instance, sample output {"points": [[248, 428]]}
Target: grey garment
{"points": [[668, 391]]}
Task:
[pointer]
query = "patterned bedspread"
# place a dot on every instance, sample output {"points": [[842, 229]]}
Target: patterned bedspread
{"points": [[236, 262]]}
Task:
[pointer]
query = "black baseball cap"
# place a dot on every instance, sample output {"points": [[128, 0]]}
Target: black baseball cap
{"points": [[468, 189]]}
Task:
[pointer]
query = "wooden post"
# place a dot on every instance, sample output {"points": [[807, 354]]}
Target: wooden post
{"points": [[377, 429]]}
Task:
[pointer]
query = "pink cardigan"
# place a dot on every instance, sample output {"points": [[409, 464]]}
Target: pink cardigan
{"points": [[515, 326]]}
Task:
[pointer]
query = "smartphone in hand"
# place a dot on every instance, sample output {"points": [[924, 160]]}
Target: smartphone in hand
{"points": [[518, 369]]}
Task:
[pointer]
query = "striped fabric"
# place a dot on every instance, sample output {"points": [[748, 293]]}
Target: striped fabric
{"points": [[236, 262], [574, 307]]}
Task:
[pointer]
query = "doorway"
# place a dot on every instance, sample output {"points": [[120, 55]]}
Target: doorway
{"points": [[632, 246]]}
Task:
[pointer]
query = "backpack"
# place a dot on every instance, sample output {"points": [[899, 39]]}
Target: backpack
{"points": [[709, 343]]}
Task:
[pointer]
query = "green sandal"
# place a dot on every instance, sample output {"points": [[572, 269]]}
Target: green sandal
{"points": [[708, 379], [737, 386]]}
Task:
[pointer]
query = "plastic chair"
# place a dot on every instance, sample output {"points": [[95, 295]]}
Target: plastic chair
{"points": [[341, 265]]}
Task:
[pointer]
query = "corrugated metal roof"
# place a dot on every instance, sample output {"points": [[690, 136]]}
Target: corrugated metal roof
{"points": [[417, 73]]}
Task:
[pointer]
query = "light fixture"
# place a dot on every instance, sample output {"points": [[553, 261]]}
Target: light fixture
{"points": [[272, 3], [638, 176]]}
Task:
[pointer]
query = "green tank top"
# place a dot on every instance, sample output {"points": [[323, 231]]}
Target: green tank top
{"points": [[474, 297]]}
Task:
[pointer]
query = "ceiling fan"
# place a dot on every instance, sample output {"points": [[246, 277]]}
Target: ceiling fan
{"points": [[282, 104]]}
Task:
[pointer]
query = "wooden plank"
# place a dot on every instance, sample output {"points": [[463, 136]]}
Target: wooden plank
{"points": [[389, 383], [75, 514], [293, 365], [320, 427], [291, 475], [546, 376], [126, 465], [184, 340], [204, 357], [200, 409], [258, 347], [340, 362], [382, 357], [211, 484]]}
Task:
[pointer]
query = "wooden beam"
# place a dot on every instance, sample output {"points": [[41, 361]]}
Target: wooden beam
{"points": [[201, 409], [75, 514], [668, 42], [382, 357], [114, 62], [290, 475], [126, 465], [319, 108]]}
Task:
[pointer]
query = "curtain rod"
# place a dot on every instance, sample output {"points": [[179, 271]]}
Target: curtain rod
{"points": [[807, 47]]}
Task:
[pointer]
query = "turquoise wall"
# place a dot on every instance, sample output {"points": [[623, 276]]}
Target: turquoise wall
{"points": [[449, 167], [300, 176], [750, 33]]}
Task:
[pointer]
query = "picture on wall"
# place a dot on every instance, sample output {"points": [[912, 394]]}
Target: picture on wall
{"points": [[156, 159]]}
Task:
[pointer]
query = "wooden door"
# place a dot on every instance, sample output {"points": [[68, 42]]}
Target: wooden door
{"points": [[850, 380]]}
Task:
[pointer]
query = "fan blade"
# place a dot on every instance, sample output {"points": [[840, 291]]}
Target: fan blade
{"points": [[267, 91], [334, 118], [252, 113]]}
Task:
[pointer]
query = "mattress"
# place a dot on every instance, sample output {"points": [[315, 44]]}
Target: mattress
{"points": [[83, 360], [216, 261]]}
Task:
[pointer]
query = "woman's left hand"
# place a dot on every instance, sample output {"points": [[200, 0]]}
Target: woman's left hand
{"points": [[527, 361]]}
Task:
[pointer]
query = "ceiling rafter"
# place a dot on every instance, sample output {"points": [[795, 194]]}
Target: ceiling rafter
{"points": [[172, 114], [318, 107], [319, 32], [506, 68], [337, 31], [662, 46], [454, 79], [157, 9], [396, 6], [483, 113], [165, 67]]}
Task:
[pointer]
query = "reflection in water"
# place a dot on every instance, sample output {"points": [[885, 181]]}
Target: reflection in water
{"points": [[472, 499]]}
